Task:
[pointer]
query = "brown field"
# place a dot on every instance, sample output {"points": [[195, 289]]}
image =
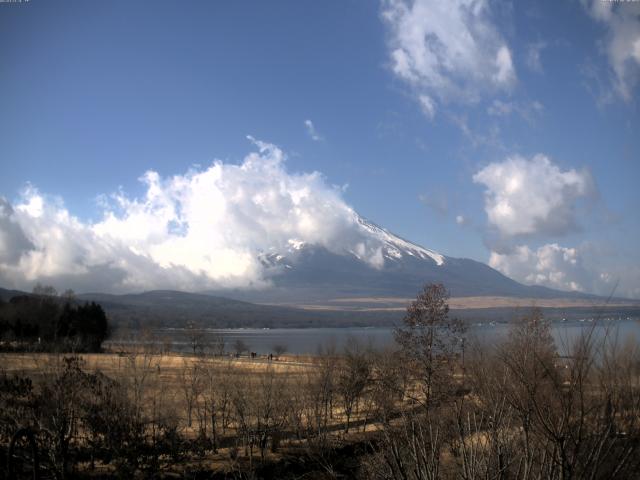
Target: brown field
{"points": [[165, 380], [168, 366], [462, 303], [166, 376]]}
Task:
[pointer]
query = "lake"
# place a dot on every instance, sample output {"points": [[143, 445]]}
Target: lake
{"points": [[308, 340]]}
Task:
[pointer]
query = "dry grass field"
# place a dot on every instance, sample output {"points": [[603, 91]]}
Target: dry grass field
{"points": [[165, 376], [169, 379], [246, 395], [398, 304], [169, 364]]}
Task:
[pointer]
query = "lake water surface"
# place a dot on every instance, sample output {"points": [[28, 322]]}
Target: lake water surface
{"points": [[308, 340]]}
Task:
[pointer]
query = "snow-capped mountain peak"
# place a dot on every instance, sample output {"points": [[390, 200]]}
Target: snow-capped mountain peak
{"points": [[396, 247]]}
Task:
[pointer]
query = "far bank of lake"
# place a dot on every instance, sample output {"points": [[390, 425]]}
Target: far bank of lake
{"points": [[305, 341]]}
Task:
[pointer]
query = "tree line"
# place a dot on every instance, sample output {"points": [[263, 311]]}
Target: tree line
{"points": [[45, 320]]}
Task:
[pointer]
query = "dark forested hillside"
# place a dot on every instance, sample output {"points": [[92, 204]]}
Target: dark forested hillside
{"points": [[49, 322]]}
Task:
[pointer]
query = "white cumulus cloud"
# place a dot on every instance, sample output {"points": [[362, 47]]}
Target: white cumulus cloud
{"points": [[205, 228], [526, 197], [450, 51]]}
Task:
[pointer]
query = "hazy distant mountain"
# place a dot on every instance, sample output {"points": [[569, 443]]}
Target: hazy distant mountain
{"points": [[169, 308], [6, 295], [174, 308]]}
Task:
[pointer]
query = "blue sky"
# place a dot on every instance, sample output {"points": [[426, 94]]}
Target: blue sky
{"points": [[416, 110]]}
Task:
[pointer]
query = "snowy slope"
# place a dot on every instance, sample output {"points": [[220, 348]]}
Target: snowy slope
{"points": [[395, 247]]}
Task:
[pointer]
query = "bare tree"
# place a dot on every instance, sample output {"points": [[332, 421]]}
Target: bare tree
{"points": [[430, 341], [59, 409], [270, 409], [317, 399], [353, 377], [529, 357], [217, 342], [191, 385], [44, 290], [389, 381], [68, 295], [239, 346], [196, 337], [279, 349]]}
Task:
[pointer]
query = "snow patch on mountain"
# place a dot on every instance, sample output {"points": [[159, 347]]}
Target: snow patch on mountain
{"points": [[395, 246]]}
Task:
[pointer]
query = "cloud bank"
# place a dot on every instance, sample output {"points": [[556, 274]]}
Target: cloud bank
{"points": [[204, 229], [581, 268], [550, 265], [447, 51]]}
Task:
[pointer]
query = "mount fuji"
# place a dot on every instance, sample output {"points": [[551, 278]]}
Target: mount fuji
{"points": [[307, 274]]}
